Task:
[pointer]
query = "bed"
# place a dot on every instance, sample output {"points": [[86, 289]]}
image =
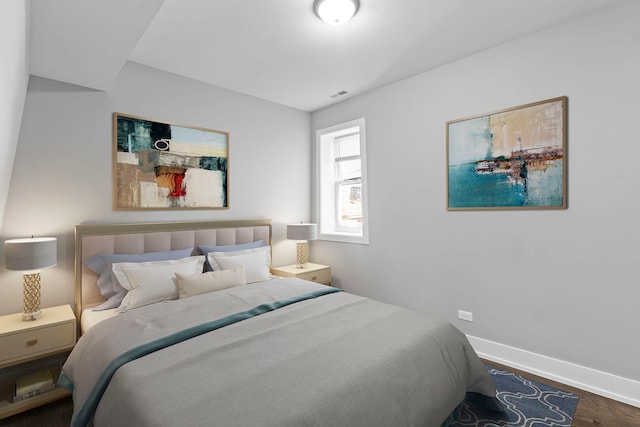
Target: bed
{"points": [[236, 347]]}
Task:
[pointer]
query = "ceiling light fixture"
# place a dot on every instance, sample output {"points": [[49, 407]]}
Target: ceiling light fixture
{"points": [[335, 12]]}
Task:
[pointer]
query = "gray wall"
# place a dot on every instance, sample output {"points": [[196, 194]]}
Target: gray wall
{"points": [[14, 75], [62, 175], [557, 283]]}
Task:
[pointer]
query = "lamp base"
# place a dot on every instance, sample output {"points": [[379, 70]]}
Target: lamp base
{"points": [[28, 317], [302, 254], [31, 297]]}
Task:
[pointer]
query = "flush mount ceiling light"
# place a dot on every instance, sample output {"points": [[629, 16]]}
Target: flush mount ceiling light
{"points": [[335, 12]]}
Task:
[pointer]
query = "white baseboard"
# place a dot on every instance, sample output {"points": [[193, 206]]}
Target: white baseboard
{"points": [[611, 386]]}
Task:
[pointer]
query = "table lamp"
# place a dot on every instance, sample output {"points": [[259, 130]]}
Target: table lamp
{"points": [[30, 255], [302, 233]]}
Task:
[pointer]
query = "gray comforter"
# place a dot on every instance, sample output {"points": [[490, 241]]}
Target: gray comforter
{"points": [[333, 360]]}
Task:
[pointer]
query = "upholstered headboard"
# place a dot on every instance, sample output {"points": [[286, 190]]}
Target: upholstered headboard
{"points": [[93, 239]]}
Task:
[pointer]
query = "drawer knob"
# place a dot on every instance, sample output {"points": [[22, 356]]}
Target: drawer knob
{"points": [[314, 278], [32, 342]]}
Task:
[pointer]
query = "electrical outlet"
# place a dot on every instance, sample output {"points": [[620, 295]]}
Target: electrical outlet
{"points": [[465, 315]]}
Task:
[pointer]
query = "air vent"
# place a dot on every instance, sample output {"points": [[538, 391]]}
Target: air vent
{"points": [[341, 93]]}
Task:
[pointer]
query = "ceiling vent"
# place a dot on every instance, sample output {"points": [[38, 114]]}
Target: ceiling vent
{"points": [[341, 93]]}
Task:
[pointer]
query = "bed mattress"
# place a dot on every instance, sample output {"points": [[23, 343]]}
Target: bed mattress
{"points": [[91, 318]]}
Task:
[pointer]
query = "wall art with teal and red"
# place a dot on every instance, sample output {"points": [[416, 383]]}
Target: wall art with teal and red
{"points": [[165, 166]]}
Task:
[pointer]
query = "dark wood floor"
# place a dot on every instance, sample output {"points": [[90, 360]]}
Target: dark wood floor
{"points": [[592, 410], [55, 414]]}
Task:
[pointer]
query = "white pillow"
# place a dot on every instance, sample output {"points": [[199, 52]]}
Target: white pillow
{"points": [[256, 262], [196, 284], [149, 282]]}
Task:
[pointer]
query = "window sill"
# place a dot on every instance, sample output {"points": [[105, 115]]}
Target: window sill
{"points": [[344, 238]]}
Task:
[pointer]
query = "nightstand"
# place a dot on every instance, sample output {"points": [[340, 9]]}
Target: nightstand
{"points": [[312, 272], [26, 347]]}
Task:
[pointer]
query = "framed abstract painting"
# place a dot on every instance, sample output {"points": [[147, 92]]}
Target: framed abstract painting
{"points": [[510, 159], [160, 165]]}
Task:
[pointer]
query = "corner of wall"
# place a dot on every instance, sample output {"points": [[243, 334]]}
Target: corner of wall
{"points": [[13, 82]]}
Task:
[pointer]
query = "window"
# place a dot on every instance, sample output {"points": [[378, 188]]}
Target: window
{"points": [[341, 196]]}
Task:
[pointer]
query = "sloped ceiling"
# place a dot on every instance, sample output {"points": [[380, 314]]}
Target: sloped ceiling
{"points": [[277, 50], [86, 42]]}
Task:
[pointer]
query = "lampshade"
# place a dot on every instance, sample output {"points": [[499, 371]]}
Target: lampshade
{"points": [[302, 231], [30, 254], [335, 12]]}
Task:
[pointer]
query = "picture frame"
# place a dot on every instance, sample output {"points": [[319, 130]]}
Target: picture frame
{"points": [[160, 165], [514, 158]]}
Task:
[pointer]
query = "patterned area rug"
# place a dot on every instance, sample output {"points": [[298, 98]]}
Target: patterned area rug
{"points": [[525, 403]]}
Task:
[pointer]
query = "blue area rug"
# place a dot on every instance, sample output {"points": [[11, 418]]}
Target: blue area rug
{"points": [[525, 403]]}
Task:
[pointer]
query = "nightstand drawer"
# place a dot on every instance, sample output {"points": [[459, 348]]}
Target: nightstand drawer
{"points": [[319, 276], [313, 272], [36, 341]]}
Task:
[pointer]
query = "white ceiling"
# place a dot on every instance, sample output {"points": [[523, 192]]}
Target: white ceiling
{"points": [[277, 50]]}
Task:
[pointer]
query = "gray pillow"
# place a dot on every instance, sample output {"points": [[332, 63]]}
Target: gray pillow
{"points": [[107, 283], [206, 249]]}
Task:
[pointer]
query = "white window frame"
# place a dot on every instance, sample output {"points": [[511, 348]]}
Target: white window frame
{"points": [[326, 184]]}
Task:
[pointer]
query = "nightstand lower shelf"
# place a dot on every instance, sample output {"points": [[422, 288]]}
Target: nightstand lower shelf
{"points": [[9, 408]]}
